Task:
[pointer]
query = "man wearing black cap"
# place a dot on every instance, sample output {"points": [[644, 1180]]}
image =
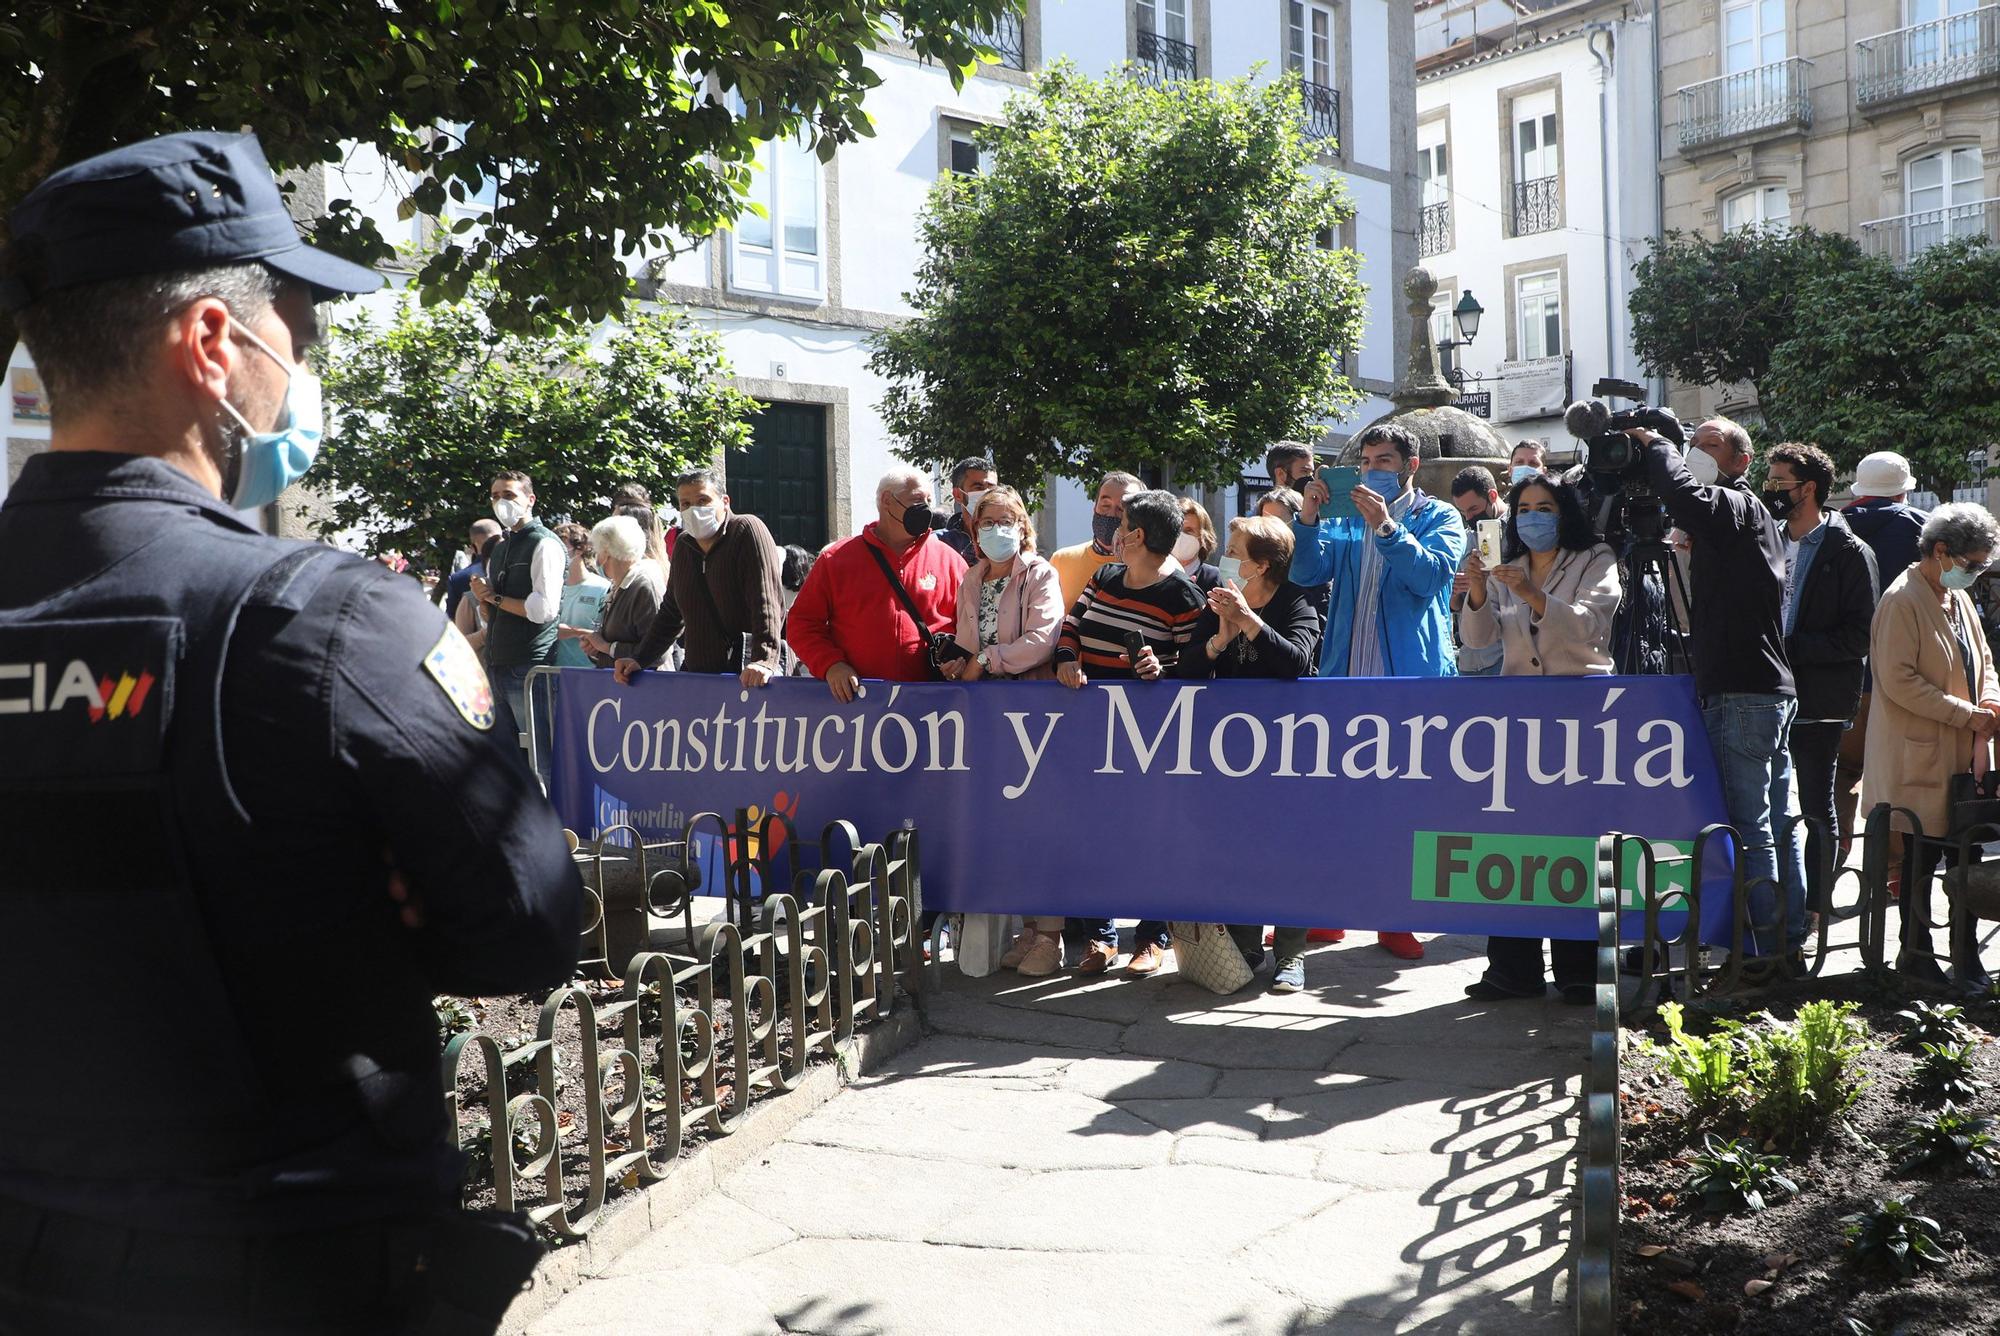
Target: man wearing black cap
{"points": [[252, 814]]}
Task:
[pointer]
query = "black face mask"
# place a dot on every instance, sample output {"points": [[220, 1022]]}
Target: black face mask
{"points": [[917, 519], [1779, 501]]}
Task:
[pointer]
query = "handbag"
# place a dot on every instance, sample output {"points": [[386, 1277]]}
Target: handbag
{"points": [[1206, 954], [940, 647]]}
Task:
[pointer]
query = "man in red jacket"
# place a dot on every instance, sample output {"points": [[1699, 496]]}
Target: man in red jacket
{"points": [[849, 621]]}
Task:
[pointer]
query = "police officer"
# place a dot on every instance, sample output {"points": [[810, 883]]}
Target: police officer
{"points": [[252, 812]]}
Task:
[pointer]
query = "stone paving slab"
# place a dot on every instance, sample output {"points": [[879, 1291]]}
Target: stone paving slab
{"points": [[1376, 1155]]}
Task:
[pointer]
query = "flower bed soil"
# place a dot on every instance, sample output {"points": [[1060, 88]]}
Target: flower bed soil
{"points": [[513, 1021], [1784, 1270]]}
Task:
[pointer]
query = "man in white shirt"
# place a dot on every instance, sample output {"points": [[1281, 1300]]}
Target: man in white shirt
{"points": [[522, 594]]}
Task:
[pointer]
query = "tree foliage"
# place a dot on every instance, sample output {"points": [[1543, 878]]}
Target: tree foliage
{"points": [[425, 408], [1711, 311], [1134, 278], [612, 124], [1881, 358]]}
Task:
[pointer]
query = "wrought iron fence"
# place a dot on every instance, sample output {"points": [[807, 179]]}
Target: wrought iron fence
{"points": [[1770, 97], [1537, 206], [1908, 235], [607, 1092], [1597, 1215], [1005, 35], [1927, 56], [1322, 111], [1434, 229], [1164, 58]]}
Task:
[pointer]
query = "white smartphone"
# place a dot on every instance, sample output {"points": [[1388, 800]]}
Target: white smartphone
{"points": [[1489, 542]]}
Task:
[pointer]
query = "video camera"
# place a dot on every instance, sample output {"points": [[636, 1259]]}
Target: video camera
{"points": [[1607, 451]]}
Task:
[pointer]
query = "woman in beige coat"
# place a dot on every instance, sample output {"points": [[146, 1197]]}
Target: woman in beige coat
{"points": [[1549, 605], [1936, 698]]}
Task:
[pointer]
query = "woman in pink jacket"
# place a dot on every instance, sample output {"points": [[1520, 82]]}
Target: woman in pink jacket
{"points": [[1010, 609]]}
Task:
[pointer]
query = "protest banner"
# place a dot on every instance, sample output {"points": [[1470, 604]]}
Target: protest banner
{"points": [[1467, 805]]}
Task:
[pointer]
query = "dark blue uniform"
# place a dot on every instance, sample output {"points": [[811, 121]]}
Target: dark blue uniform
{"points": [[216, 744]]}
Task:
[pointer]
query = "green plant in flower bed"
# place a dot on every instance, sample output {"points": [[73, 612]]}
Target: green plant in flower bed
{"points": [[1731, 1175], [1891, 1236], [1933, 1023], [1944, 1073], [1707, 1068], [452, 1014], [1801, 1073], [1950, 1141]]}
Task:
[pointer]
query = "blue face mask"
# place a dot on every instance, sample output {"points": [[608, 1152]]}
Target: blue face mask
{"points": [[1000, 542], [1232, 571], [1383, 483], [1955, 576], [270, 461], [1523, 472], [1537, 529]]}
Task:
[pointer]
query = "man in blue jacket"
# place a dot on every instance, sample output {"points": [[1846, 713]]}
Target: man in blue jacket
{"points": [[1389, 610]]}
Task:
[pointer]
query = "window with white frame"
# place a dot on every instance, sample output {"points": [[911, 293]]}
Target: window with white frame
{"points": [[782, 252], [1536, 153], [1168, 18], [1766, 206], [1928, 40], [1433, 165], [1944, 196], [1309, 41], [1753, 34], [1538, 306], [962, 154]]}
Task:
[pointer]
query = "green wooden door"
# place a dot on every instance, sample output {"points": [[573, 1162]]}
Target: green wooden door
{"points": [[781, 477]]}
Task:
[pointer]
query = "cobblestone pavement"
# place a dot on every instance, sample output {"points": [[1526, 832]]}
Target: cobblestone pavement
{"points": [[1376, 1154]]}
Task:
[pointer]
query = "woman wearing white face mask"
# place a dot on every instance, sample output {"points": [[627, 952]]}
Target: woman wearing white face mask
{"points": [[1197, 545], [1010, 609]]}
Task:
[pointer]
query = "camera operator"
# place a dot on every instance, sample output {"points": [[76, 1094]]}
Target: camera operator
{"points": [[1741, 672]]}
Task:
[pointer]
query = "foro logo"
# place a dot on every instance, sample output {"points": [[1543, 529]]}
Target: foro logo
{"points": [[121, 697]]}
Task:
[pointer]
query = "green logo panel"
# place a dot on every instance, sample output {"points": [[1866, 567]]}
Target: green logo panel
{"points": [[1548, 871]]}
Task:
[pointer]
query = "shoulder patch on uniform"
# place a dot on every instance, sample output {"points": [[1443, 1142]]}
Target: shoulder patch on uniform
{"points": [[457, 669]]}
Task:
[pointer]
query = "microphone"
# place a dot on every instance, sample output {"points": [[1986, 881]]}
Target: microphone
{"points": [[1587, 419]]}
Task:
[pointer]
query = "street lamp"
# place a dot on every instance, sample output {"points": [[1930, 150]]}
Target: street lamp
{"points": [[1466, 316]]}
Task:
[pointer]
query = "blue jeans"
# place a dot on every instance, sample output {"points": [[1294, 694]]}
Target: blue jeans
{"points": [[510, 714], [1751, 735]]}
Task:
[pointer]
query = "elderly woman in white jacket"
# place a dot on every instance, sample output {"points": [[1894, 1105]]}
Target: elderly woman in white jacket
{"points": [[1010, 609], [1550, 604]]}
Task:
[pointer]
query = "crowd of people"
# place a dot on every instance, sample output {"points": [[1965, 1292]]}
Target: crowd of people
{"points": [[1794, 605]]}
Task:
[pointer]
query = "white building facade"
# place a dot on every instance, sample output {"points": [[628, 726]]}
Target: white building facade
{"points": [[1539, 181]]}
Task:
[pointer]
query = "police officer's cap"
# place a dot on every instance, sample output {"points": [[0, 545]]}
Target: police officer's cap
{"points": [[181, 201]]}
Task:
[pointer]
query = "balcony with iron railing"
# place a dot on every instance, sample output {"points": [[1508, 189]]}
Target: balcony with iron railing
{"points": [[1537, 206], [1164, 58], [1770, 100], [1901, 238], [1434, 230], [1322, 114], [1927, 58], [1006, 36]]}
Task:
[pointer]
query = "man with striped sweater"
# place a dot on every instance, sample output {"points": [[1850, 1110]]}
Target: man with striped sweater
{"points": [[1143, 592]]}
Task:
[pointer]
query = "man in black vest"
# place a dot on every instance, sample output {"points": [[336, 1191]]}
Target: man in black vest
{"points": [[252, 814], [522, 590]]}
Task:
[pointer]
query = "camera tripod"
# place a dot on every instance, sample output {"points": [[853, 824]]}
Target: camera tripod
{"points": [[1646, 636]]}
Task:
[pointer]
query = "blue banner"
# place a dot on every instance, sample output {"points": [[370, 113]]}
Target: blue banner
{"points": [[1467, 805]]}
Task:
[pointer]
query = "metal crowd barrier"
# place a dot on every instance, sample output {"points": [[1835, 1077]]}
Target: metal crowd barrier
{"points": [[1597, 1224], [825, 958]]}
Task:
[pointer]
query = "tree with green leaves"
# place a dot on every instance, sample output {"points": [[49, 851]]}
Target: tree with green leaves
{"points": [[1885, 358], [1136, 277], [426, 407], [613, 126], [1711, 311]]}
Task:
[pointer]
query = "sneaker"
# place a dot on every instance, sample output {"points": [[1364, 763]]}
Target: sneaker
{"points": [[1146, 960], [1401, 945], [1019, 950], [1325, 935], [1291, 975], [1097, 957], [1043, 957]]}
